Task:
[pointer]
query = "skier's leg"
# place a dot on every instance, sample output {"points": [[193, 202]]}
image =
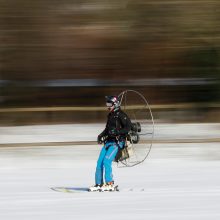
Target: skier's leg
{"points": [[99, 167], [109, 157]]}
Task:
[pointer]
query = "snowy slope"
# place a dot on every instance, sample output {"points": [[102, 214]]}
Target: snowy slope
{"points": [[180, 181]]}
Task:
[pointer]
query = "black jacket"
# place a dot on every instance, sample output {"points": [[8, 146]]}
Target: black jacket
{"points": [[118, 125]]}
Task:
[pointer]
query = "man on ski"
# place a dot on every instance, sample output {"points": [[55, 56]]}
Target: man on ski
{"points": [[113, 137]]}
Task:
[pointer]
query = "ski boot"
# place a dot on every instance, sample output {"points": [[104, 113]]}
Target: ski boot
{"points": [[95, 188], [109, 187]]}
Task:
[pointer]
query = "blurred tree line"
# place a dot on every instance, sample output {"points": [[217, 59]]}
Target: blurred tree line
{"points": [[118, 40]]}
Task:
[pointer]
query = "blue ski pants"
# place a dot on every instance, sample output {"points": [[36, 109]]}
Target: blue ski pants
{"points": [[104, 164]]}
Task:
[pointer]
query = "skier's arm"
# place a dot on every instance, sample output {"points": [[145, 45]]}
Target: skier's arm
{"points": [[104, 133], [102, 136]]}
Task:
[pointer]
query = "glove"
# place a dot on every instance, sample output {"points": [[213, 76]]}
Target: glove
{"points": [[113, 132], [100, 139]]}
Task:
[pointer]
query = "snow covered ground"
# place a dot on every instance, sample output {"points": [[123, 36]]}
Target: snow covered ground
{"points": [[177, 181]]}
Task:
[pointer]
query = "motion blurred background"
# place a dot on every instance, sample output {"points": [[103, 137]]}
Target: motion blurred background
{"points": [[60, 58]]}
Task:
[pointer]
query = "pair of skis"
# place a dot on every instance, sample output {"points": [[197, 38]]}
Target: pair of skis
{"points": [[82, 189], [85, 189]]}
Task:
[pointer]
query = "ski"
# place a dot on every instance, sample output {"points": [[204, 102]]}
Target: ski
{"points": [[86, 189], [80, 189]]}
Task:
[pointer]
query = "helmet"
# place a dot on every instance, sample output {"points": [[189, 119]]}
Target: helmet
{"points": [[113, 101]]}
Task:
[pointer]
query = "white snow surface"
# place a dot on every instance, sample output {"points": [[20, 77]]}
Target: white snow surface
{"points": [[177, 181]]}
